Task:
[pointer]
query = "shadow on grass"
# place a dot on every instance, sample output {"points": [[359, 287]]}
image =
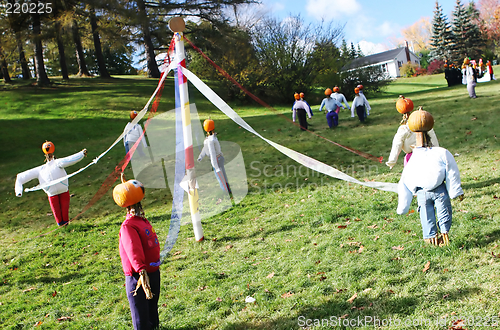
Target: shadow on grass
{"points": [[480, 184]]}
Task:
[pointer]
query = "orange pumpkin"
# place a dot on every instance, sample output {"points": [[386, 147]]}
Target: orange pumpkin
{"points": [[208, 125], [356, 90], [328, 92], [128, 192], [302, 95], [420, 121], [48, 147], [133, 114], [360, 87], [404, 105], [335, 89], [296, 96]]}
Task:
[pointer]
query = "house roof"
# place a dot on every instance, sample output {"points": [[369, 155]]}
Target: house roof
{"points": [[375, 58]]}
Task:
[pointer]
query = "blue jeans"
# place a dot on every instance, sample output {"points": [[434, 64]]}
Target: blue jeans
{"points": [[332, 118], [439, 199]]}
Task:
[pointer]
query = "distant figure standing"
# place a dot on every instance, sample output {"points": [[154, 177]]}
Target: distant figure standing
{"points": [[470, 76], [490, 70], [302, 95], [340, 98], [132, 133], [360, 104], [332, 107], [211, 148], [368, 108], [300, 108]]}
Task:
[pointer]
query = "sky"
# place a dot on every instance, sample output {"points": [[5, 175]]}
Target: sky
{"points": [[370, 23]]}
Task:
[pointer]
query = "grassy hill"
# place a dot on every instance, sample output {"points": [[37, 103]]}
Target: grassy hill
{"points": [[307, 247]]}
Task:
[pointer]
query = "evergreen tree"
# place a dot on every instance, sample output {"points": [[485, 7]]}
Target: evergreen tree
{"points": [[463, 33], [441, 36]]}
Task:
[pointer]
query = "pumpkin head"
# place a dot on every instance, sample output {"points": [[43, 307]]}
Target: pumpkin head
{"points": [[466, 61], [302, 95], [133, 114], [356, 90], [128, 192], [48, 147], [404, 105], [296, 96], [335, 89], [360, 87], [420, 121], [208, 125], [445, 65], [328, 92]]}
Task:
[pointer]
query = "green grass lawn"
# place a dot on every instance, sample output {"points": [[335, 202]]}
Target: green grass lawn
{"points": [[314, 252]]}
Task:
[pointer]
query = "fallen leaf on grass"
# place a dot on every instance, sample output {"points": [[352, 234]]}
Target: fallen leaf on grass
{"points": [[373, 226], [376, 238], [64, 318], [286, 295], [270, 275], [229, 247], [218, 299], [341, 227], [411, 211], [54, 294], [176, 253], [427, 266], [361, 248], [458, 325], [38, 323], [367, 290], [350, 300], [32, 288], [399, 248]]}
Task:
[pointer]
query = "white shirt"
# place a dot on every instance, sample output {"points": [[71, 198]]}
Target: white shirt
{"points": [[360, 100], [427, 169], [133, 133], [211, 147], [406, 140], [52, 170], [299, 104], [341, 99]]}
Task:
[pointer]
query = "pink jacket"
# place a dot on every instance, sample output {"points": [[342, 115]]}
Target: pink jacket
{"points": [[139, 245]]}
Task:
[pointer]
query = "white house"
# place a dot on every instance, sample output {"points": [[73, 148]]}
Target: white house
{"points": [[390, 61]]}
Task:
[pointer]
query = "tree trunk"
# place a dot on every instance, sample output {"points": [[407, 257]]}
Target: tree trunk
{"points": [[62, 56], [5, 71], [80, 58], [41, 74], [22, 58], [97, 45], [153, 71]]}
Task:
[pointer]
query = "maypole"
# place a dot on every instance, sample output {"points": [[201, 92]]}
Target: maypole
{"points": [[177, 26]]}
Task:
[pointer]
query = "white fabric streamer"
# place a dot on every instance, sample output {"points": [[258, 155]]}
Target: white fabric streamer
{"points": [[298, 157], [95, 160]]}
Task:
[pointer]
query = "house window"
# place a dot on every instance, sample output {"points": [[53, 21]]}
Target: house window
{"points": [[400, 64], [384, 67]]}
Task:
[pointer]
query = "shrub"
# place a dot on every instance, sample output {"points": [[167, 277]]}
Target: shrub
{"points": [[436, 66]]}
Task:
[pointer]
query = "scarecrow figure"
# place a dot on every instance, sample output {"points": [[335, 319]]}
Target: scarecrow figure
{"points": [[53, 169], [140, 254], [300, 108], [432, 175], [405, 139], [340, 98], [211, 147], [360, 104], [332, 107], [132, 133]]}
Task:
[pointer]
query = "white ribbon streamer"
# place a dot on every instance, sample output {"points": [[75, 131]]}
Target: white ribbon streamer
{"points": [[139, 116], [298, 157]]}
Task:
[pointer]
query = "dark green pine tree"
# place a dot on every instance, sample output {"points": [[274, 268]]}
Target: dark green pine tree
{"points": [[344, 51], [478, 40], [441, 37], [461, 28]]}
